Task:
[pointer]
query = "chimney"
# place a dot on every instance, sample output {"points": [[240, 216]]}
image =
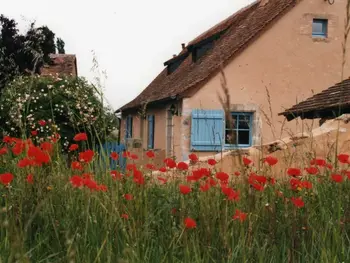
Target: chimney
{"points": [[183, 45], [263, 2]]}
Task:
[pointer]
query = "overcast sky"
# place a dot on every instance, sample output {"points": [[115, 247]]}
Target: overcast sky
{"points": [[131, 39]]}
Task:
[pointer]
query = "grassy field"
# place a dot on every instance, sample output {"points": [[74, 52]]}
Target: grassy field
{"points": [[83, 212]]}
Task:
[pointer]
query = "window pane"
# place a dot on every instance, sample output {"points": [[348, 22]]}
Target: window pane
{"points": [[230, 137], [244, 137], [244, 122], [231, 123], [317, 27]]}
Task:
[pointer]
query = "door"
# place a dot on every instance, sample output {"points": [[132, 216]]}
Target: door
{"points": [[169, 134]]}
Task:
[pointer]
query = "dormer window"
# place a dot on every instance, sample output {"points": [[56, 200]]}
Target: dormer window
{"points": [[201, 50], [173, 66], [175, 62]]}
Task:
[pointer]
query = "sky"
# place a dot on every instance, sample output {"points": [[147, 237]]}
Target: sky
{"points": [[130, 39]]}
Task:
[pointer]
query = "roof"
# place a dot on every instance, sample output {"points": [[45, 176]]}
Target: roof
{"points": [[61, 64], [238, 31], [331, 102]]}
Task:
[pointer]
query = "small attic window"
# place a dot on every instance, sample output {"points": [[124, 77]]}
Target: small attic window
{"points": [[319, 28], [173, 66], [201, 50]]}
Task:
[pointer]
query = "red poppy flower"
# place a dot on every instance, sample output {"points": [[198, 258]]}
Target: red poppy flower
{"points": [[3, 150], [6, 178], [247, 161], [170, 163], [212, 181], [25, 162], [30, 179], [162, 169], [306, 184], [126, 154], [162, 179], [76, 181], [34, 133], [230, 193], [114, 155], [272, 181], [222, 176], [329, 166], [347, 173], [80, 137], [73, 147], [76, 166], [42, 122], [86, 156], [138, 177], [46, 146], [212, 162], [125, 216], [131, 167], [258, 187], [297, 201], [38, 156], [128, 197], [319, 162], [190, 223], [270, 160], [102, 188], [150, 154], [182, 166], [19, 147], [237, 173], [204, 187], [134, 156], [91, 184], [150, 166], [193, 157], [55, 137], [294, 172], [239, 216], [338, 178], [7, 139], [116, 175], [311, 170], [343, 158], [294, 183], [184, 189]]}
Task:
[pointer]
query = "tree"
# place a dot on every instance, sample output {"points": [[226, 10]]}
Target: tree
{"points": [[41, 107], [60, 46], [23, 54]]}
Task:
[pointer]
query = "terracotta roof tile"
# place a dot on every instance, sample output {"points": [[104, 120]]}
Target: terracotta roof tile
{"points": [[61, 64], [330, 102], [240, 28]]}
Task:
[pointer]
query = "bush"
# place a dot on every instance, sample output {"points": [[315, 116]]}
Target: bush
{"points": [[42, 107]]}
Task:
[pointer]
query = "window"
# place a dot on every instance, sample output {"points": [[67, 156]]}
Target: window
{"points": [[150, 134], [238, 131], [319, 28], [128, 128], [200, 51], [173, 66]]}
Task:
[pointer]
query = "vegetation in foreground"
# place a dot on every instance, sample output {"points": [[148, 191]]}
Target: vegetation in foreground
{"points": [[87, 213]]}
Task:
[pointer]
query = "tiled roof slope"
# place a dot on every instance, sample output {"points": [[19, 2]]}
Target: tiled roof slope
{"points": [[334, 100], [241, 29], [62, 64]]}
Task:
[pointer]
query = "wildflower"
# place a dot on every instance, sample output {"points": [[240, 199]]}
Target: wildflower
{"points": [[173, 211], [306, 184], [150, 166], [125, 216], [76, 181], [18, 148], [343, 158], [42, 122], [150, 154], [347, 173], [193, 157], [329, 166], [230, 193], [294, 172], [128, 197], [222, 176], [91, 184], [24, 163], [297, 201], [184, 189], [182, 166], [130, 167], [319, 162], [6, 178], [39, 157], [46, 146], [212, 181], [29, 179], [247, 161], [162, 179], [114, 155], [73, 147], [7, 139], [338, 178], [116, 175], [170, 163], [237, 173], [272, 181], [80, 137], [126, 154], [138, 177], [102, 188], [239, 216], [295, 183], [3, 150], [212, 162], [204, 187], [34, 133], [76, 166], [86, 156], [190, 223], [312, 170], [162, 169], [270, 160], [134, 156]]}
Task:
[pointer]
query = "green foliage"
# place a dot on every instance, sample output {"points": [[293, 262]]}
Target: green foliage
{"points": [[68, 105], [22, 54], [60, 46]]}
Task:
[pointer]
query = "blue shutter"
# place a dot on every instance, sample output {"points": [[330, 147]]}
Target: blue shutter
{"points": [[128, 130], [150, 144], [207, 130]]}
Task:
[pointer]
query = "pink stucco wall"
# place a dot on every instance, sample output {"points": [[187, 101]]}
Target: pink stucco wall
{"points": [[285, 64]]}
